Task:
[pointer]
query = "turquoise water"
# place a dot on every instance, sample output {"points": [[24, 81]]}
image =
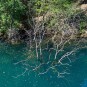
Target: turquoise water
{"points": [[12, 75]]}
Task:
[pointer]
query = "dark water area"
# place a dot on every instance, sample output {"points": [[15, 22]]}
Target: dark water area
{"points": [[10, 54]]}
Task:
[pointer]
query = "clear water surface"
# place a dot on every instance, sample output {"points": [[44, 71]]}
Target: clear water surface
{"points": [[10, 54]]}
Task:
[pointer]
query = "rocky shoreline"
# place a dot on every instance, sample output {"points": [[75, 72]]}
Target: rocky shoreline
{"points": [[15, 37]]}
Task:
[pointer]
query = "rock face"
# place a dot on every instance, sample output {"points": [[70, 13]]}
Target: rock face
{"points": [[84, 7], [45, 17], [84, 35], [13, 36]]}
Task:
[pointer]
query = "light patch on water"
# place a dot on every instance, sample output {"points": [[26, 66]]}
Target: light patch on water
{"points": [[84, 84]]}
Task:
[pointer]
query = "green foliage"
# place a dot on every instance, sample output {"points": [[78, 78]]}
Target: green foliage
{"points": [[52, 5], [12, 11], [83, 25]]}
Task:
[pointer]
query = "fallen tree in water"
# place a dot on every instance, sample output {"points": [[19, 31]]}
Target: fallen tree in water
{"points": [[56, 31], [60, 42]]}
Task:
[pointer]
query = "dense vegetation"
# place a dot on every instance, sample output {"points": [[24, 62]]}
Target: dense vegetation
{"points": [[24, 17]]}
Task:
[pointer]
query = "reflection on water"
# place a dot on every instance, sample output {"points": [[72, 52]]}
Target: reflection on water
{"points": [[11, 54]]}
